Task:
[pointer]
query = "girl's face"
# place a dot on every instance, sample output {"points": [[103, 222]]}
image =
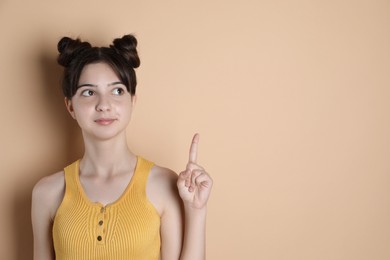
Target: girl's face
{"points": [[102, 105]]}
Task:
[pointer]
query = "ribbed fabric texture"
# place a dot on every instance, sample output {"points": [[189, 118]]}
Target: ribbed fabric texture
{"points": [[127, 229]]}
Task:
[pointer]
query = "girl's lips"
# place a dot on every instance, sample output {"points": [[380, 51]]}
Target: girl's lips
{"points": [[104, 121]]}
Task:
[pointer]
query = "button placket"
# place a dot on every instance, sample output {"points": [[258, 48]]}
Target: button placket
{"points": [[100, 223]]}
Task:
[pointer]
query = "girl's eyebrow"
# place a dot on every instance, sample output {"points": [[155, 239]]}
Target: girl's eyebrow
{"points": [[115, 83], [86, 85], [92, 85]]}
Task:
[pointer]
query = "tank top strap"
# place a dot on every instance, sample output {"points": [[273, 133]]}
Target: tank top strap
{"points": [[141, 174], [70, 172]]}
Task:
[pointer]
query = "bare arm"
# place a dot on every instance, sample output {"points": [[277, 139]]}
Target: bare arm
{"points": [[194, 243], [172, 221], [46, 197], [182, 226], [183, 209]]}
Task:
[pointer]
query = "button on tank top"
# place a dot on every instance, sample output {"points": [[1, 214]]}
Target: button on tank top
{"points": [[128, 228]]}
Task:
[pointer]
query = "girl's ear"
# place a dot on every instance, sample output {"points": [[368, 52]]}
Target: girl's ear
{"points": [[133, 100], [69, 107]]}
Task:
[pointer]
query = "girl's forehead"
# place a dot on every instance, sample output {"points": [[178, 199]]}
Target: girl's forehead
{"points": [[98, 72]]}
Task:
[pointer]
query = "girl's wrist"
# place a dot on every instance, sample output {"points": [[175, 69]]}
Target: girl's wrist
{"points": [[188, 208]]}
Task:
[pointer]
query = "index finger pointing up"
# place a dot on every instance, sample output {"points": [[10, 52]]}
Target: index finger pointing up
{"points": [[194, 149]]}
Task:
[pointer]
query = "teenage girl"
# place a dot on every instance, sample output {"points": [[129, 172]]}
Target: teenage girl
{"points": [[112, 204]]}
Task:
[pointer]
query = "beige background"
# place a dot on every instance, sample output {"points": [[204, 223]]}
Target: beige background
{"points": [[291, 99]]}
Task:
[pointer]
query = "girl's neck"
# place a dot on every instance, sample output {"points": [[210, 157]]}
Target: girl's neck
{"points": [[105, 157]]}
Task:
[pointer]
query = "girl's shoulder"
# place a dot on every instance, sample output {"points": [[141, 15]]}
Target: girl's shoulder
{"points": [[50, 184], [161, 187], [163, 180], [48, 192], [163, 174]]}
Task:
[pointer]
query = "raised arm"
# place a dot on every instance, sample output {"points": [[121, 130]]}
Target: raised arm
{"points": [[194, 185]]}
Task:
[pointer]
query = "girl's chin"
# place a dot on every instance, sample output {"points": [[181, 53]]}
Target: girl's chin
{"points": [[105, 135]]}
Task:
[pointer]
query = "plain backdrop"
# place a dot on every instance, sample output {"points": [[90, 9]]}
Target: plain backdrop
{"points": [[291, 100]]}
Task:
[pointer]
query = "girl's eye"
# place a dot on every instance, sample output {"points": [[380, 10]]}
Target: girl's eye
{"points": [[87, 93], [118, 91]]}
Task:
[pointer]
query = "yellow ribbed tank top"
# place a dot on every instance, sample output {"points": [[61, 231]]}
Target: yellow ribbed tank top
{"points": [[128, 228]]}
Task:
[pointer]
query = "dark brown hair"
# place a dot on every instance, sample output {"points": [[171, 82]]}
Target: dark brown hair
{"points": [[122, 56]]}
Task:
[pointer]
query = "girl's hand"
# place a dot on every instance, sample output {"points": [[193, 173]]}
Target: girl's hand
{"points": [[194, 183]]}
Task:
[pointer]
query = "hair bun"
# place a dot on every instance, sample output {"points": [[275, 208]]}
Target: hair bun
{"points": [[127, 48], [69, 48]]}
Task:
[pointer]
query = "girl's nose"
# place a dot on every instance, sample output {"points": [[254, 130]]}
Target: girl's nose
{"points": [[103, 104]]}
